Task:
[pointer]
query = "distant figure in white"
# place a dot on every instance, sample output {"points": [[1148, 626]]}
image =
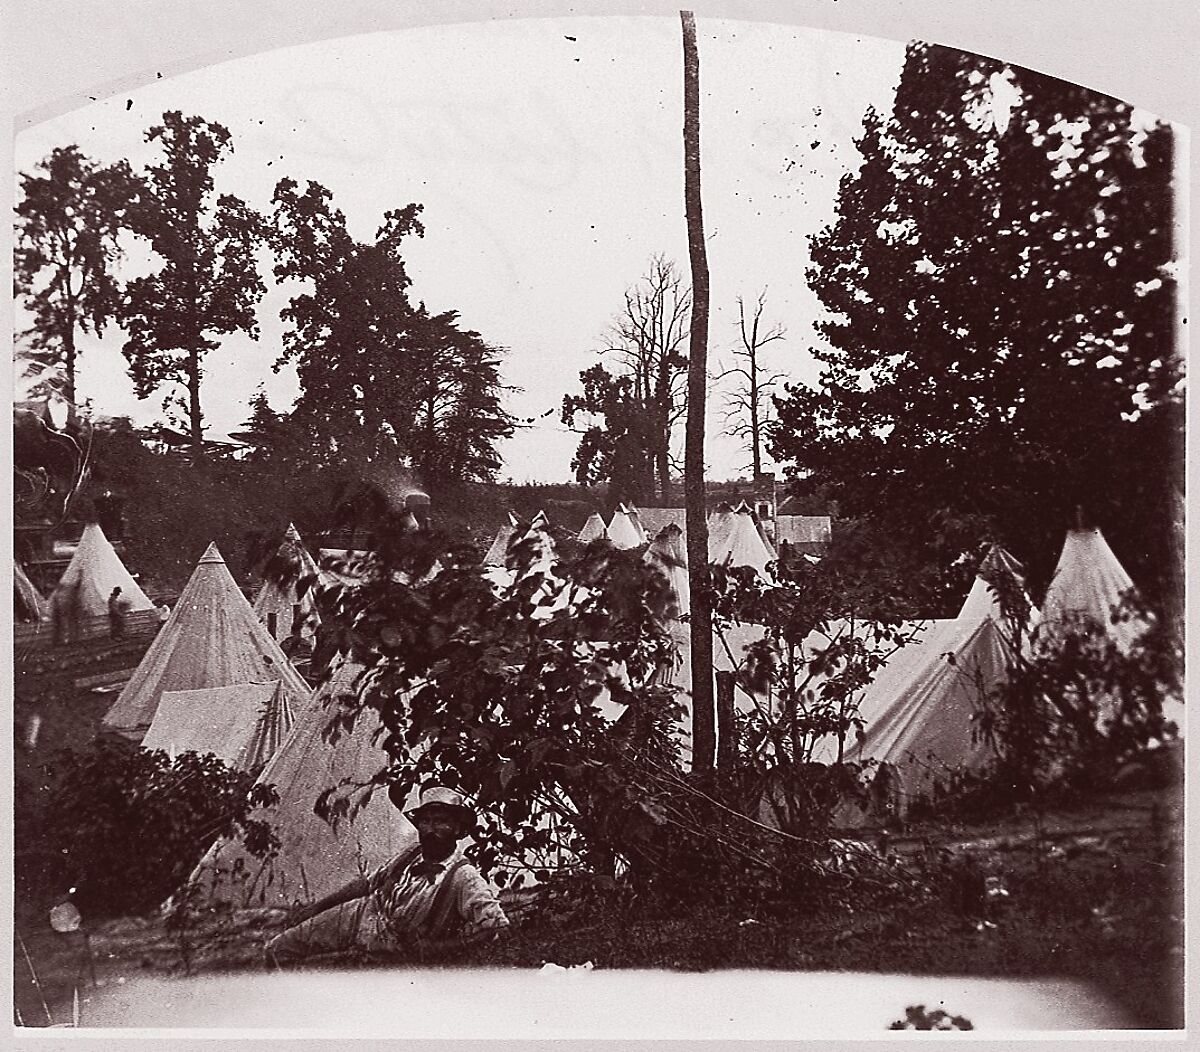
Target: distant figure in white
{"points": [[427, 901]]}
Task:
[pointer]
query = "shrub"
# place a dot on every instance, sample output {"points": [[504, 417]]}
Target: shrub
{"points": [[130, 824]]}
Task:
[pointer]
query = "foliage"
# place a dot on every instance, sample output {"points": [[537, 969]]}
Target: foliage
{"points": [[130, 824], [382, 380], [69, 220], [999, 344], [208, 284], [619, 450], [1078, 703]]}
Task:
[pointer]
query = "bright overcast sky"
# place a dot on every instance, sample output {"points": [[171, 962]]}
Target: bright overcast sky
{"points": [[547, 154]]}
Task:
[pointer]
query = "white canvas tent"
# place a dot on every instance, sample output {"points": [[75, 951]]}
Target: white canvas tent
{"points": [[211, 639], [593, 529], [635, 517], [623, 531], [243, 724], [720, 523], [668, 552], [499, 549], [96, 570], [920, 712], [279, 604], [28, 603], [314, 857], [1087, 583], [743, 545]]}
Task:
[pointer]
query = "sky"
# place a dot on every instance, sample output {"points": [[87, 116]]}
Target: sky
{"points": [[547, 154]]}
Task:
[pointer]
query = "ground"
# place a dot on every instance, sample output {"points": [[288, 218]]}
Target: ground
{"points": [[1088, 890]]}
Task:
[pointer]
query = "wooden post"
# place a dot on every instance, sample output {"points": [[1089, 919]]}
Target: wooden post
{"points": [[703, 714], [726, 730]]}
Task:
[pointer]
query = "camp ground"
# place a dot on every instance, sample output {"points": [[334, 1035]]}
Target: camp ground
{"points": [[699, 502]]}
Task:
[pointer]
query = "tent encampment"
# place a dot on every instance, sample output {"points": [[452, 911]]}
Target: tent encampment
{"points": [[314, 857], [243, 724], [211, 639], [28, 603], [669, 554], [96, 569], [285, 606]]}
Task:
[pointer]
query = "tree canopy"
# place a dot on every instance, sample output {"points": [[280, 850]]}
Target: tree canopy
{"points": [[208, 284], [383, 380], [999, 338], [69, 220]]}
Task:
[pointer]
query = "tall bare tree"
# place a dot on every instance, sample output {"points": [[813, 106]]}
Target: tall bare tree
{"points": [[704, 735], [746, 408], [649, 339]]}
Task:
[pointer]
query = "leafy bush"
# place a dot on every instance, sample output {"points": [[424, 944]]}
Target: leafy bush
{"points": [[130, 824]]}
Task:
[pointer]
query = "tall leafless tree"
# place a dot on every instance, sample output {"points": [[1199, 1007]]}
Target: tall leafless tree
{"points": [[704, 737], [649, 339], [746, 409]]}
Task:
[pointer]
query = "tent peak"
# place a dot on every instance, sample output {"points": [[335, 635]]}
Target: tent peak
{"points": [[211, 555]]}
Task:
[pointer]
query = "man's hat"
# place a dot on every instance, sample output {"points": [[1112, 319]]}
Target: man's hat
{"points": [[438, 797]]}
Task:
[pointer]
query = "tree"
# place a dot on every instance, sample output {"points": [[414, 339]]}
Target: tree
{"points": [[999, 342], [382, 381], [648, 339], [69, 222], [208, 284], [746, 409], [620, 450], [703, 712]]}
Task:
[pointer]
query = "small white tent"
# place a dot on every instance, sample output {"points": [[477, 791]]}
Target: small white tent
{"points": [[635, 518], [283, 606], [211, 639], [314, 857], [96, 570], [669, 554], [593, 529], [623, 531], [744, 546], [499, 549], [720, 524], [243, 724], [1088, 583]]}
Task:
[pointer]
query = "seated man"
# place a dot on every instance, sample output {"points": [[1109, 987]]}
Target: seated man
{"points": [[427, 899]]}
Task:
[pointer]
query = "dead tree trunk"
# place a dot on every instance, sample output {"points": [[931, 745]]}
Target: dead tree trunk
{"points": [[703, 711]]}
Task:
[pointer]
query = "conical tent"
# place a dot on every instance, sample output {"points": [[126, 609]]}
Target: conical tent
{"points": [[593, 529], [744, 545], [279, 604], [668, 552], [211, 639], [920, 711], [635, 520], [720, 524], [28, 602], [1087, 583], [96, 570], [622, 530], [499, 549], [243, 725], [314, 857]]}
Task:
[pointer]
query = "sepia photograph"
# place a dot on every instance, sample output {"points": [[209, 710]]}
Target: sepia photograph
{"points": [[575, 525]]}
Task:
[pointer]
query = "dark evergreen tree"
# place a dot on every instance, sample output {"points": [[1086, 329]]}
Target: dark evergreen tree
{"points": [[999, 340]]}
